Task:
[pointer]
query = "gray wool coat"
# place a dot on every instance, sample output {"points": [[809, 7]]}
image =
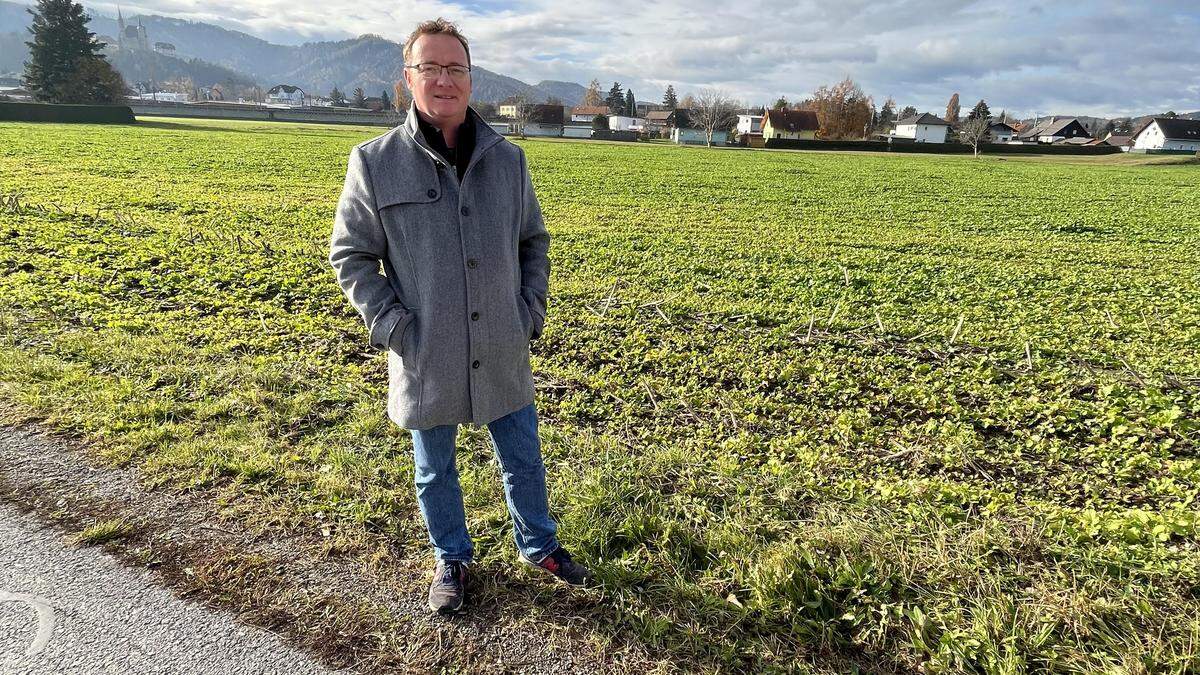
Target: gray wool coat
{"points": [[466, 267]]}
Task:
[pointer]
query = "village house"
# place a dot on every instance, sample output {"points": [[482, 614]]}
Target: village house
{"points": [[1124, 142], [792, 124], [1168, 133], [1001, 132], [659, 121], [285, 94], [749, 124], [587, 113], [1054, 130], [923, 128]]}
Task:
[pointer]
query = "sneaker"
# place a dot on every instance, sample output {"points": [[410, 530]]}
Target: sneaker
{"points": [[559, 564], [449, 586]]}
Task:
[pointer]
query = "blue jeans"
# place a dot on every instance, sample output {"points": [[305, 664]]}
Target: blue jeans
{"points": [[515, 441]]}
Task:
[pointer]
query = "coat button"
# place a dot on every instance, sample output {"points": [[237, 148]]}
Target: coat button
{"points": [[432, 193], [472, 263], [474, 364], [474, 316], [466, 211]]}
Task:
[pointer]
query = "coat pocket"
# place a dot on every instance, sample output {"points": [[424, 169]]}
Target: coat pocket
{"points": [[406, 343], [526, 316]]}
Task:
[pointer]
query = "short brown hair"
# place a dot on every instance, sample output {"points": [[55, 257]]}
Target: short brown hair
{"points": [[438, 26]]}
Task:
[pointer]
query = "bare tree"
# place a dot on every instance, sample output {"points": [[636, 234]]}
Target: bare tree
{"points": [[974, 131], [714, 110], [523, 112]]}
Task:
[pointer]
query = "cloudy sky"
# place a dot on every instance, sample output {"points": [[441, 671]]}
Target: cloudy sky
{"points": [[1089, 57]]}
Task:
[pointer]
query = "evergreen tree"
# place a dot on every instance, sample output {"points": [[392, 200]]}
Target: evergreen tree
{"points": [[616, 99], [336, 97], [669, 100], [980, 110], [887, 115], [907, 112], [630, 104], [61, 46], [95, 81], [781, 103], [385, 101], [360, 98]]}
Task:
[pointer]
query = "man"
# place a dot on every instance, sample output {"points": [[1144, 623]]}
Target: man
{"points": [[447, 206]]}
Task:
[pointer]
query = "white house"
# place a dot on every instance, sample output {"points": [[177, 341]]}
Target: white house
{"points": [[622, 123], [1168, 133], [285, 94], [749, 124], [923, 128]]}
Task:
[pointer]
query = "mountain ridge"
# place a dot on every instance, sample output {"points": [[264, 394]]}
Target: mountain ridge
{"points": [[368, 61]]}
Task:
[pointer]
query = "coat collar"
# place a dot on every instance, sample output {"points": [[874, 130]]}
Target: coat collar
{"points": [[485, 136]]}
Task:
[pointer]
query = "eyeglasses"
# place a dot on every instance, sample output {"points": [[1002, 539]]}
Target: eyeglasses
{"points": [[432, 71]]}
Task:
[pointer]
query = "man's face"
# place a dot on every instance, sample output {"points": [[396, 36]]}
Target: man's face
{"points": [[443, 99]]}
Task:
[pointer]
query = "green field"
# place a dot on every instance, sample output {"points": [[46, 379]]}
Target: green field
{"points": [[800, 410]]}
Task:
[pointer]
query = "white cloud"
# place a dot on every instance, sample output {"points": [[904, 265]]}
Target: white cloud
{"points": [[1105, 57]]}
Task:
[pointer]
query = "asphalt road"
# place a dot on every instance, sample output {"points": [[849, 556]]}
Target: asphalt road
{"points": [[68, 610]]}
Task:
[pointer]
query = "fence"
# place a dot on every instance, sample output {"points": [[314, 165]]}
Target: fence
{"points": [[942, 148]]}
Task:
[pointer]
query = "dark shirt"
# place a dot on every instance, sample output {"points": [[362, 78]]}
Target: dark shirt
{"points": [[458, 156]]}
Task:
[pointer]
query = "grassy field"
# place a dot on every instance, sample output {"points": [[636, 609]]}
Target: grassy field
{"points": [[800, 410]]}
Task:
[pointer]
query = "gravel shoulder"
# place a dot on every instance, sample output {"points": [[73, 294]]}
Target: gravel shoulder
{"points": [[66, 609], [310, 610]]}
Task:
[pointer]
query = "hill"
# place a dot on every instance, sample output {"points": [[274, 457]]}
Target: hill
{"points": [[368, 61]]}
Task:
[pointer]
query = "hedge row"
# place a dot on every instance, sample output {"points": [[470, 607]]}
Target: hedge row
{"points": [[941, 148], [19, 111]]}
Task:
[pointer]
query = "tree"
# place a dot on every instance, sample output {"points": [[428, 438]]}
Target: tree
{"points": [[887, 115], [1171, 114], [669, 100], [600, 122], [630, 104], [385, 101], [781, 103], [61, 56], [360, 98], [591, 97], [616, 99], [688, 102], [400, 95], [843, 110], [1123, 126], [953, 109], [554, 100], [486, 109], [95, 81], [973, 131], [524, 111], [337, 98], [907, 112], [714, 110], [980, 110], [1108, 128]]}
